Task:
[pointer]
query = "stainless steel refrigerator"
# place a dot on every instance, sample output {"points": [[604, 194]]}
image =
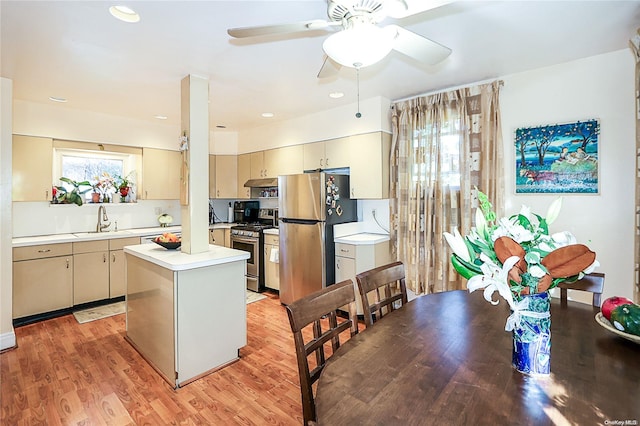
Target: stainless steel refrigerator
{"points": [[310, 204]]}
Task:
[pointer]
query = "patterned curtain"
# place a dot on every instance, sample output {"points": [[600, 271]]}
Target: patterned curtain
{"points": [[635, 47], [444, 146]]}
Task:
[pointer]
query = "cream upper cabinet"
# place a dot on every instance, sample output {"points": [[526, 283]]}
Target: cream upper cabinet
{"points": [[326, 154], [337, 153], [313, 156], [283, 161], [369, 165], [32, 162], [244, 174], [212, 176], [257, 165], [161, 174], [226, 180]]}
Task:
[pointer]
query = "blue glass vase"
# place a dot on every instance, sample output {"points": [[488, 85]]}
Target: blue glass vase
{"points": [[532, 337]]}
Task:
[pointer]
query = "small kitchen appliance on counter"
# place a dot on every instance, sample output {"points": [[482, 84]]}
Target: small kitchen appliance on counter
{"points": [[246, 211], [310, 205]]}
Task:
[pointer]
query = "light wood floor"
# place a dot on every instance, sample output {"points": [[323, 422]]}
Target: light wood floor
{"points": [[65, 373]]}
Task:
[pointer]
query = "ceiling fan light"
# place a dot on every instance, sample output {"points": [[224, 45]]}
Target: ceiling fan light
{"points": [[359, 46]]}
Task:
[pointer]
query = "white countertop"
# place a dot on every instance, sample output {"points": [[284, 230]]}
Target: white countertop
{"points": [[362, 239], [90, 236], [222, 225], [175, 260], [272, 231]]}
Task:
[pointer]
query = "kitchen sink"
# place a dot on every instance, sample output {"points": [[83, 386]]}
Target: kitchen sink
{"points": [[106, 234]]}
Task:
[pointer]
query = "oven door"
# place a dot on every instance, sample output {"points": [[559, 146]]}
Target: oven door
{"points": [[250, 245]]}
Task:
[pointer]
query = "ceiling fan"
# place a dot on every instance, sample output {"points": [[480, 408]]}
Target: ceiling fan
{"points": [[359, 41]]}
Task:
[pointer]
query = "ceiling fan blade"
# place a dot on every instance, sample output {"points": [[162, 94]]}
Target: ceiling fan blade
{"points": [[403, 8], [419, 48], [296, 27], [329, 68]]}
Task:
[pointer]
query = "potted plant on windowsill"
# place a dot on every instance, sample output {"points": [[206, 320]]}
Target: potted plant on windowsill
{"points": [[73, 196], [123, 186]]}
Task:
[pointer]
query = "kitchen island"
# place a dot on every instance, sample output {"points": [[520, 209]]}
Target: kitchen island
{"points": [[186, 313]]}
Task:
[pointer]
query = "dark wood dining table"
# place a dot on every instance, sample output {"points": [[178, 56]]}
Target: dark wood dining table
{"points": [[445, 359]]}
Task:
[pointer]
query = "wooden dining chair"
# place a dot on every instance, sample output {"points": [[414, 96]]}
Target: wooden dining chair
{"points": [[593, 283], [318, 310], [381, 290]]}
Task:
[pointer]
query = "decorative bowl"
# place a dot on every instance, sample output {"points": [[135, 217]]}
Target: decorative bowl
{"points": [[168, 244], [601, 320]]}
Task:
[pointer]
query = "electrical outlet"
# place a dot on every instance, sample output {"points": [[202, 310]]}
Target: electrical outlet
{"points": [[157, 211]]}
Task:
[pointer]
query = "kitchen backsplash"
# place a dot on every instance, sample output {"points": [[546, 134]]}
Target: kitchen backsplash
{"points": [[41, 218]]}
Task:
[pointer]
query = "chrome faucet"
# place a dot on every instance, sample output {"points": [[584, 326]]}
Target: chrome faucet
{"points": [[102, 218]]}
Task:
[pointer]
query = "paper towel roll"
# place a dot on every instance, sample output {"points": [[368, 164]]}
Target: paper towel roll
{"points": [[274, 256]]}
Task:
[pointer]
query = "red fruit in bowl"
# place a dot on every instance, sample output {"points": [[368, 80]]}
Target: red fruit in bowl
{"points": [[611, 303]]}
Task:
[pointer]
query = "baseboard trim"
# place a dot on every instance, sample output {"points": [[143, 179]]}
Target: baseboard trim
{"points": [[7, 340]]}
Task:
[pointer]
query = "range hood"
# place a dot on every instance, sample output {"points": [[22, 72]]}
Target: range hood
{"points": [[261, 183]]}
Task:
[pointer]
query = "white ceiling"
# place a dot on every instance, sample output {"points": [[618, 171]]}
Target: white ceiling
{"points": [[77, 50]]}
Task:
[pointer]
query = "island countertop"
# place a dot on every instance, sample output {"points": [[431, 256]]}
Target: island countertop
{"points": [[175, 260]]}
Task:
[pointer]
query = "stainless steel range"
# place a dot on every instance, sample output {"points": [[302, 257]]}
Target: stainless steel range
{"points": [[250, 238]]}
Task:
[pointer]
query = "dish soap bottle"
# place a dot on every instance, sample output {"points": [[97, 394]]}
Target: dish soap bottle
{"points": [[230, 214]]}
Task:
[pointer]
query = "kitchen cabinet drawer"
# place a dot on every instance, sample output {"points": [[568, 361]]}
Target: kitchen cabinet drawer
{"points": [[90, 246], [119, 243], [272, 239], [345, 250], [41, 251]]}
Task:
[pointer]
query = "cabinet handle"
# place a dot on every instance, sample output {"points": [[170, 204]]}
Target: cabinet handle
{"points": [[67, 263], [326, 161], [46, 194], [44, 251], [321, 161], [218, 193], [104, 258], [338, 265], [114, 257], [344, 251]]}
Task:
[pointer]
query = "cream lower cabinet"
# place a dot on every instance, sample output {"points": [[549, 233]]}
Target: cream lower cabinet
{"points": [[352, 259], [90, 271], [42, 279], [117, 270], [271, 267], [220, 237]]}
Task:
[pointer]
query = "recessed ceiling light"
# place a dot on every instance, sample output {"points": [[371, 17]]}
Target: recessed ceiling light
{"points": [[56, 99], [267, 114], [124, 13], [336, 95], [160, 117]]}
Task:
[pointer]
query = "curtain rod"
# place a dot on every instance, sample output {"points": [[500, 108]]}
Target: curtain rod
{"points": [[433, 92]]}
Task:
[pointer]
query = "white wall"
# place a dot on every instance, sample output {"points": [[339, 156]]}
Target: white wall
{"points": [[7, 336], [61, 122], [331, 124], [597, 87]]}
